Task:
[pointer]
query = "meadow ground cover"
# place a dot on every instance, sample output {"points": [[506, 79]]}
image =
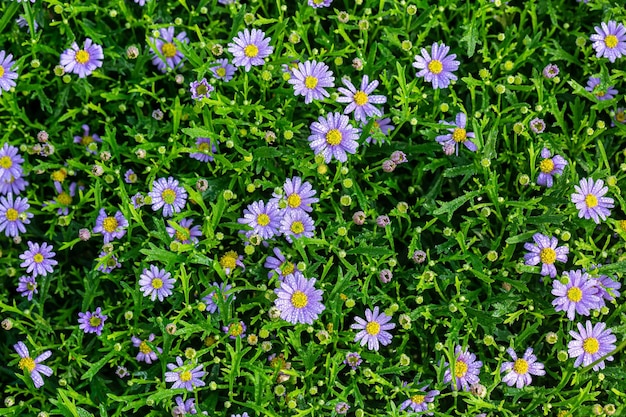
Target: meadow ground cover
{"points": [[312, 208]]}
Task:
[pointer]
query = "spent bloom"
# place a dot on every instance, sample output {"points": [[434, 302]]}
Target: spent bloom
{"points": [[298, 300], [310, 79], [590, 201], [13, 215], [298, 195], [146, 354], [549, 166], [602, 93], [7, 74], [184, 376], [200, 89], [373, 329], [33, 367], [92, 322], [579, 295], [82, 61], [419, 402], [317, 4], [333, 136], [250, 48], [111, 227], [545, 250], [223, 70], [609, 41], [353, 360], [155, 282], [591, 343], [458, 134], [168, 194], [466, 370], [361, 101], [551, 71], [235, 329], [27, 287], [168, 55], [231, 260], [263, 218], [437, 67], [519, 372], [537, 125], [38, 259]]}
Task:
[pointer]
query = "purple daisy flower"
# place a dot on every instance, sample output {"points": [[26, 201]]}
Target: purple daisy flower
{"points": [[280, 265], [318, 4], [211, 300], [361, 100], [602, 94], [590, 344], [137, 200], [130, 177], [27, 287], [7, 75], [200, 89], [609, 41], [156, 283], [549, 166], [141, 2], [184, 376], [551, 71], [64, 198], [333, 136], [309, 80], [183, 408], [235, 330], [13, 215], [298, 195], [298, 300], [190, 234], [545, 251], [206, 149], [231, 260], [589, 200], [519, 372], [537, 125], [249, 48], [353, 360], [437, 69], [579, 295], [296, 224], [38, 259], [263, 218], [168, 194], [168, 54], [13, 185], [111, 227], [620, 116], [82, 61], [608, 288], [10, 162], [110, 262], [341, 407], [466, 370], [419, 402], [373, 330], [33, 367], [223, 70], [383, 126], [86, 139], [146, 354], [457, 135], [92, 322]]}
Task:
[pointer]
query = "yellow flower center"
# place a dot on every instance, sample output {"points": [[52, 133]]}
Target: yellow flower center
{"points": [[31, 286], [144, 348], [459, 135], [6, 162], [157, 283], [95, 321], [64, 199], [169, 196], [310, 82], [435, 66], [59, 175], [372, 328], [574, 294], [203, 147], [520, 367], [297, 227], [109, 224], [168, 50], [294, 200], [11, 215], [182, 236], [611, 41], [460, 369], [360, 98], [229, 260], [82, 56], [622, 225], [185, 376], [591, 200], [28, 363], [201, 89], [38, 258], [251, 51], [1, 71], [221, 71], [600, 93], [299, 299], [546, 165], [620, 116], [86, 140], [418, 399], [547, 255], [591, 345], [333, 137], [235, 329], [287, 268], [263, 219]]}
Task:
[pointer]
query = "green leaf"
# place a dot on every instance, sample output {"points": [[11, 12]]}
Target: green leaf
{"points": [[95, 367], [451, 206], [375, 251]]}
